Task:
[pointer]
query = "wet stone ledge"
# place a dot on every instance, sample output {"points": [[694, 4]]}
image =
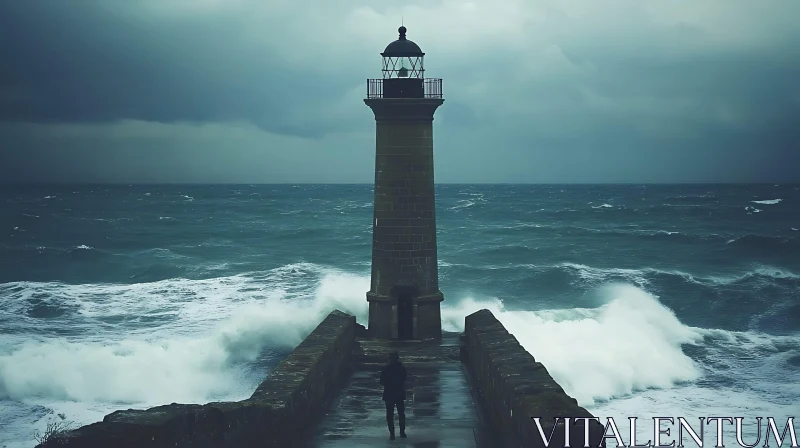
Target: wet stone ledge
{"points": [[279, 413], [514, 388]]}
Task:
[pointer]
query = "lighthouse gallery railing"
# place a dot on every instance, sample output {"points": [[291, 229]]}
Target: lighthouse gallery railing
{"points": [[385, 88]]}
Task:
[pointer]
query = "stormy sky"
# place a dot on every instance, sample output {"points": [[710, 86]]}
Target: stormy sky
{"points": [[270, 91]]}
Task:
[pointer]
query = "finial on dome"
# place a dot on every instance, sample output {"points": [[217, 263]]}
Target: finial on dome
{"points": [[402, 31]]}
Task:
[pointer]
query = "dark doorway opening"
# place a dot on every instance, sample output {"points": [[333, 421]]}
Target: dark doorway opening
{"points": [[405, 317]]}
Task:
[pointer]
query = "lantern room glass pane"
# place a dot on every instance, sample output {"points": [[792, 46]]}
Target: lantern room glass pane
{"points": [[403, 67]]}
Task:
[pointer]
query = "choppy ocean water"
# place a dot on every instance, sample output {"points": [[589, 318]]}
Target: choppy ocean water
{"points": [[641, 300]]}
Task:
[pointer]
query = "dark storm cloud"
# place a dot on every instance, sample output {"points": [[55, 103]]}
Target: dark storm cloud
{"points": [[545, 91], [82, 62]]}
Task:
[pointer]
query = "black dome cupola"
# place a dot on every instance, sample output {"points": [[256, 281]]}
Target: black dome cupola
{"points": [[402, 47]]}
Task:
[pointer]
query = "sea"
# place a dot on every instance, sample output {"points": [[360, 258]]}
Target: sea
{"points": [[641, 300]]}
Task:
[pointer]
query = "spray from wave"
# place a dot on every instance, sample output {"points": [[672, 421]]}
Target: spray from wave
{"points": [[164, 365], [600, 353]]}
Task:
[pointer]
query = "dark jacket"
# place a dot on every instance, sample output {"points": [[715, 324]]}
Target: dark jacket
{"points": [[393, 379]]}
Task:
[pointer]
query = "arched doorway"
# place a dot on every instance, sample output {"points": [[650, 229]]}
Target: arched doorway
{"points": [[405, 317], [405, 310]]}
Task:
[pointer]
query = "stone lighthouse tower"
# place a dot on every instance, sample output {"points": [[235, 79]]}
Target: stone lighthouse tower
{"points": [[404, 296]]}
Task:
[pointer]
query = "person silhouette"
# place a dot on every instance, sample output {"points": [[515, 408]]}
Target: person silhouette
{"points": [[393, 378]]}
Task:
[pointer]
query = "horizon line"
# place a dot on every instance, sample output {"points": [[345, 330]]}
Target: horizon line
{"points": [[32, 183]]}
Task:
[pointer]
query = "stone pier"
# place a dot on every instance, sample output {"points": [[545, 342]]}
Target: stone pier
{"points": [[441, 410], [475, 389]]}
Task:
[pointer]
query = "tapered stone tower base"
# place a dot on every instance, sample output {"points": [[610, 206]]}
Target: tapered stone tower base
{"points": [[404, 298]]}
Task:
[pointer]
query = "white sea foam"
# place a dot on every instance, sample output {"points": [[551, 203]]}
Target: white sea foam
{"points": [[350, 205], [524, 225], [592, 274], [639, 276], [778, 273], [691, 402], [755, 364], [768, 201], [603, 206], [130, 371], [187, 364], [587, 351], [463, 203]]}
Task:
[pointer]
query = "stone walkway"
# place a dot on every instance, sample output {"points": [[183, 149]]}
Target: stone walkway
{"points": [[440, 410]]}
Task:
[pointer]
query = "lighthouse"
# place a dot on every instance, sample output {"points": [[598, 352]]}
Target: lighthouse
{"points": [[404, 296]]}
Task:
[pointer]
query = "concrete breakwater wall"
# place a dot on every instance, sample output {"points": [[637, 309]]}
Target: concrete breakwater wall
{"points": [[278, 413], [515, 387]]}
